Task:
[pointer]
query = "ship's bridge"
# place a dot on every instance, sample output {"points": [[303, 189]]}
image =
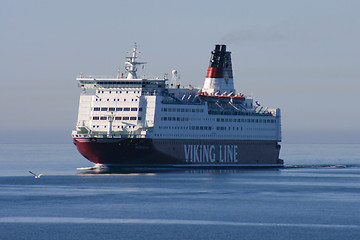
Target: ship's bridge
{"points": [[90, 82]]}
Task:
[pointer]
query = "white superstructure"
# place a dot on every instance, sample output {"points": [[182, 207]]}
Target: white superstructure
{"points": [[131, 107]]}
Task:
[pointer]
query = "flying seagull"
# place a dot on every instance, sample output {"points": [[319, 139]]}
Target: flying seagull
{"points": [[36, 176]]}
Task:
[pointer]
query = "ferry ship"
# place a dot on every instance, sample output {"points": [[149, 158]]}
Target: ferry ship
{"points": [[136, 122]]}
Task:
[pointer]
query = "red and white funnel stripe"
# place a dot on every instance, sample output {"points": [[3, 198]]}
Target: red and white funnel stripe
{"points": [[219, 77]]}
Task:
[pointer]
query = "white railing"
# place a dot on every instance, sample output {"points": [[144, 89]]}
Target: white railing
{"points": [[97, 77]]}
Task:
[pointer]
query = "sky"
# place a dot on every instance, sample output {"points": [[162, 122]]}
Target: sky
{"points": [[301, 56]]}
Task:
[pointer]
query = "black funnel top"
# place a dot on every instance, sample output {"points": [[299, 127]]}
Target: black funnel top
{"points": [[218, 56]]}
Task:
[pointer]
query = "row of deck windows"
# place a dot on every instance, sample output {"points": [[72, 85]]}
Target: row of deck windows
{"points": [[217, 128], [119, 91], [174, 119], [111, 109], [255, 137], [97, 126], [200, 128], [113, 83], [246, 120], [116, 118], [159, 83], [187, 127], [230, 128], [182, 110]]}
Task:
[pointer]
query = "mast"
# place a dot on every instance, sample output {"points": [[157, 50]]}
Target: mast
{"points": [[130, 64]]}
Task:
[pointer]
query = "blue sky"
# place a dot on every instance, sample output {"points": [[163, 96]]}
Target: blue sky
{"points": [[301, 56]]}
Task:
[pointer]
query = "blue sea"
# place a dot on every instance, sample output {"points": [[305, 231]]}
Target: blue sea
{"points": [[315, 196]]}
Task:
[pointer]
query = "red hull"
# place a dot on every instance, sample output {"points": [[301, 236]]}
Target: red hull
{"points": [[179, 153]]}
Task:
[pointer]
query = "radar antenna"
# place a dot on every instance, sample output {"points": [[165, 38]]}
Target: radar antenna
{"points": [[175, 78]]}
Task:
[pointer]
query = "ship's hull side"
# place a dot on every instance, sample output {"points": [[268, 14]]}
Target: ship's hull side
{"points": [[142, 152]]}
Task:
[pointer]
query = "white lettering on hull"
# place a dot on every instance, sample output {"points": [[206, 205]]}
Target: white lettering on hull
{"points": [[212, 153], [188, 153], [207, 153]]}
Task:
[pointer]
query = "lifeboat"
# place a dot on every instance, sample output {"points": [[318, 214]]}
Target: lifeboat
{"points": [[238, 98]]}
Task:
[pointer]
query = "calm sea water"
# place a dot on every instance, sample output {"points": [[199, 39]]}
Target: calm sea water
{"points": [[317, 196]]}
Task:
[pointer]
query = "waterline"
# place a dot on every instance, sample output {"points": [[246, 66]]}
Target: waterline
{"points": [[65, 220]]}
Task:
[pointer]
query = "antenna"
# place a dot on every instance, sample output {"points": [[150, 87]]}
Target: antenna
{"points": [[130, 64]]}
